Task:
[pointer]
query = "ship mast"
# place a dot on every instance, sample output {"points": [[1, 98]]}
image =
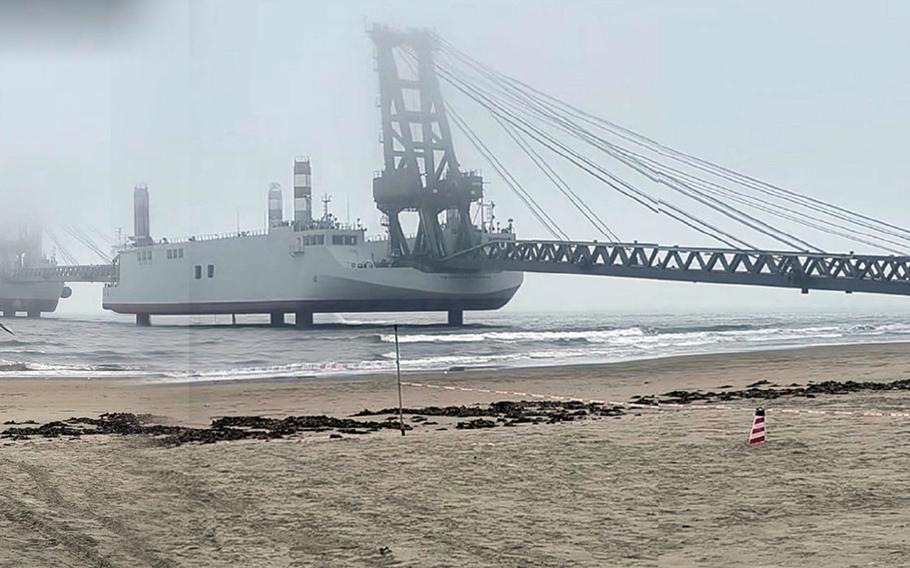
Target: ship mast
{"points": [[326, 199]]}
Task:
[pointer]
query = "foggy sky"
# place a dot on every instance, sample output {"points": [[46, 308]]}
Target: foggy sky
{"points": [[208, 102]]}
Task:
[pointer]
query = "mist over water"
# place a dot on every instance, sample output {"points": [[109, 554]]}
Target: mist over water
{"points": [[208, 349]]}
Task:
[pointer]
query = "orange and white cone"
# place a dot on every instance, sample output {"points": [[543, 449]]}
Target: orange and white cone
{"points": [[758, 434]]}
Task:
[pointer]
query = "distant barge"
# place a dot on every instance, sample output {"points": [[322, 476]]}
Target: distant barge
{"points": [[29, 298]]}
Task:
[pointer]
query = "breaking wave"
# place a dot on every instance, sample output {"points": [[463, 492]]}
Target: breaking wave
{"points": [[221, 353], [637, 335]]}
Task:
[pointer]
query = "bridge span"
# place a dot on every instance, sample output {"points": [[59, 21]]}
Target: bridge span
{"points": [[805, 271], [67, 274], [877, 274]]}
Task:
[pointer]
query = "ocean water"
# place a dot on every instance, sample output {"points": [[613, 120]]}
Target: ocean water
{"points": [[209, 348]]}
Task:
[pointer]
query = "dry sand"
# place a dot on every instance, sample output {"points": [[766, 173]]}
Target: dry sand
{"points": [[661, 488]]}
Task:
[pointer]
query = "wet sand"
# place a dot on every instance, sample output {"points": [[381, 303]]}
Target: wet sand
{"points": [[651, 488]]}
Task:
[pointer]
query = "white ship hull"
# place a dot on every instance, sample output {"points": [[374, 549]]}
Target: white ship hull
{"points": [[279, 273], [29, 297]]}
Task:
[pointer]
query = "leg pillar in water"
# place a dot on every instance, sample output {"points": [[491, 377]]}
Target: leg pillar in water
{"points": [[9, 314], [34, 314], [304, 319], [277, 319], [143, 320], [456, 317]]}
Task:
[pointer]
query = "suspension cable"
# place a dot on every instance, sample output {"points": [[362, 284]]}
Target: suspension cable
{"points": [[542, 217], [586, 164], [675, 184], [558, 181], [703, 165]]}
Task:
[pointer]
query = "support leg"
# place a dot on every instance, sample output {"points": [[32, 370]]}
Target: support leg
{"points": [[456, 318], [9, 314], [143, 320], [304, 319], [34, 314], [277, 319]]}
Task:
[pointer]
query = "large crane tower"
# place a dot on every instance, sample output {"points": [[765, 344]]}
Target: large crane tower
{"points": [[421, 172]]}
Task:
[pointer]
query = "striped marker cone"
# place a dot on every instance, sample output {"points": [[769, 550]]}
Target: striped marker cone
{"points": [[758, 434]]}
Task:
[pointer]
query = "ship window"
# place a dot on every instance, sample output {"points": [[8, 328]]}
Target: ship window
{"points": [[170, 254], [350, 240], [198, 272], [211, 271], [337, 239], [180, 253]]}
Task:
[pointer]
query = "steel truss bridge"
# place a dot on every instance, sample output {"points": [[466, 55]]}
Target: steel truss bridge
{"points": [[68, 273], [805, 271]]}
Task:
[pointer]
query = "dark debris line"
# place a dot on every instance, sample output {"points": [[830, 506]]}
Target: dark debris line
{"points": [[230, 428], [503, 413], [221, 430], [772, 391], [511, 413]]}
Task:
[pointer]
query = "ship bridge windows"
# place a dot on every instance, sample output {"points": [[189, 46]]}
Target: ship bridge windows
{"points": [[198, 271], [173, 254], [344, 240], [210, 271], [144, 256], [320, 239]]}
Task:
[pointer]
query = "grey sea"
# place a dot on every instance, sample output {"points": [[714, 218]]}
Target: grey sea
{"points": [[211, 349]]}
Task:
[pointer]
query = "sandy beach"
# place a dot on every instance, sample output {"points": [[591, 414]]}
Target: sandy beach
{"points": [[669, 487]]}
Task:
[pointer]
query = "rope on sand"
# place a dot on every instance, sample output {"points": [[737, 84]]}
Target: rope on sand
{"points": [[671, 406]]}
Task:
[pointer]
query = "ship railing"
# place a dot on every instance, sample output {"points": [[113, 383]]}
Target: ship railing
{"points": [[222, 236], [232, 235], [385, 237], [203, 237], [347, 227], [330, 226]]}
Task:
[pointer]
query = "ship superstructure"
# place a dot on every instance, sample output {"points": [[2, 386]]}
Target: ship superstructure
{"points": [[293, 267]]}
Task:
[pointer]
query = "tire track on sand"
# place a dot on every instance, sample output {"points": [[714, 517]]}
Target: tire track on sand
{"points": [[126, 538], [80, 547]]}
